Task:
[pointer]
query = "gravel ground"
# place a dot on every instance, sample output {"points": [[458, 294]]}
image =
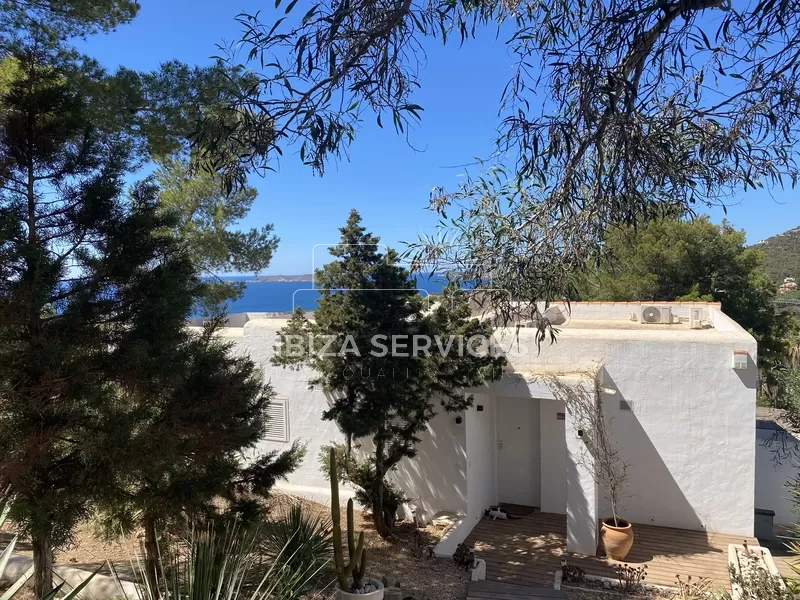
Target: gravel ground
{"points": [[25, 593], [419, 576], [87, 550], [404, 558]]}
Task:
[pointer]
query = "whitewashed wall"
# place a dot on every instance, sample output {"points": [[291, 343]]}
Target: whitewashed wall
{"points": [[436, 479], [582, 494], [481, 457], [554, 457], [305, 409], [689, 440]]}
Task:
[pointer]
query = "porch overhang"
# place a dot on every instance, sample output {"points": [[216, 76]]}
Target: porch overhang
{"points": [[535, 384], [582, 491]]}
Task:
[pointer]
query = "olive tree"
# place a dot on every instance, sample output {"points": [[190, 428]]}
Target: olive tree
{"points": [[616, 111]]}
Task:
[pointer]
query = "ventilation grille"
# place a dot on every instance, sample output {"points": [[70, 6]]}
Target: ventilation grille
{"points": [[278, 420], [625, 405]]}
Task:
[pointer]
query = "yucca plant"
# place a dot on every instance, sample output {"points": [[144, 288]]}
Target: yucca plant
{"points": [[224, 564], [298, 537]]}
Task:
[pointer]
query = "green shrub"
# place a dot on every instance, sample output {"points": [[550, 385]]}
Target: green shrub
{"points": [[759, 584], [361, 473]]}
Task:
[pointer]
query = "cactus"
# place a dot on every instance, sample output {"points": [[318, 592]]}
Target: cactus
{"points": [[357, 565]]}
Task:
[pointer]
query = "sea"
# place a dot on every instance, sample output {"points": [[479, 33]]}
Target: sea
{"points": [[285, 296]]}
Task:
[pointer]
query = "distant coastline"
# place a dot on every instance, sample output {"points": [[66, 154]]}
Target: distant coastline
{"points": [[284, 293], [308, 278], [280, 278]]}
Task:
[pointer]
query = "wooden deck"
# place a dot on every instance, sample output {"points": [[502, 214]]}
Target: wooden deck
{"points": [[529, 550]]}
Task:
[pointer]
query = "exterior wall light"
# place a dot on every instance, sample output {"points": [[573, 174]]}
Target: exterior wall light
{"points": [[740, 359]]}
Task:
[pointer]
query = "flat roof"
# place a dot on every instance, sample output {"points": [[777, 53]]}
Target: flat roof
{"points": [[238, 320], [615, 320], [627, 325]]}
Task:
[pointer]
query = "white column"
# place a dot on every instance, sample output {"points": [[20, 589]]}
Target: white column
{"points": [[582, 520]]}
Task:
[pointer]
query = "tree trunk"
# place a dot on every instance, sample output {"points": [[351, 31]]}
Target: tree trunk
{"points": [[42, 565], [41, 543], [151, 558], [377, 511], [377, 508]]}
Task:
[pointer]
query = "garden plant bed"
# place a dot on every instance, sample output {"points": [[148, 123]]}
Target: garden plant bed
{"points": [[745, 559], [595, 588], [752, 563], [580, 593], [631, 583], [404, 557]]}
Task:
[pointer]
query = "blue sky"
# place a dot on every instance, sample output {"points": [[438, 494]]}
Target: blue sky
{"points": [[385, 178]]}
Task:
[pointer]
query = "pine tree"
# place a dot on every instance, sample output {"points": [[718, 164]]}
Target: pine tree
{"points": [[192, 423], [91, 291], [206, 219], [388, 396], [61, 19], [107, 399]]}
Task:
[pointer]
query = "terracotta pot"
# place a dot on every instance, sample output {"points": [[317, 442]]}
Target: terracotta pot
{"points": [[617, 540]]}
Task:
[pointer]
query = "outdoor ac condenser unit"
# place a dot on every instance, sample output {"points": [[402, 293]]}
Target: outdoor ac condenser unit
{"points": [[656, 314]]}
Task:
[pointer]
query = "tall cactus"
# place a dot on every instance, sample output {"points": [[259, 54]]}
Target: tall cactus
{"points": [[357, 565]]}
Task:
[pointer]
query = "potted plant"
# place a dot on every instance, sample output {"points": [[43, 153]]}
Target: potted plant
{"points": [[350, 574], [611, 474], [609, 470], [617, 536]]}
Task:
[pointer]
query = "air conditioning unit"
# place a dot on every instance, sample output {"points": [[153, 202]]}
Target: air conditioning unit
{"points": [[696, 318], [656, 314]]}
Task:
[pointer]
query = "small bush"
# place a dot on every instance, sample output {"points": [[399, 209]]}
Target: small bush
{"points": [[464, 556], [630, 578], [759, 584], [692, 590], [361, 473], [573, 574]]}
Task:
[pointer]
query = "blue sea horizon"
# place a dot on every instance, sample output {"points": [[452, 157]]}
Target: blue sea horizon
{"points": [[285, 296]]}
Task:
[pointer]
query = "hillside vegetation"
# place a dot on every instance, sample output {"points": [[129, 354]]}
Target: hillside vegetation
{"points": [[691, 260], [782, 255]]}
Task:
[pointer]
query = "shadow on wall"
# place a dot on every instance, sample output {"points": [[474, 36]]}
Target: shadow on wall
{"points": [[749, 376], [579, 512], [436, 478], [652, 495]]}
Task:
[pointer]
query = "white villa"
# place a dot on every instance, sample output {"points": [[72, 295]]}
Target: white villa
{"points": [[678, 385]]}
